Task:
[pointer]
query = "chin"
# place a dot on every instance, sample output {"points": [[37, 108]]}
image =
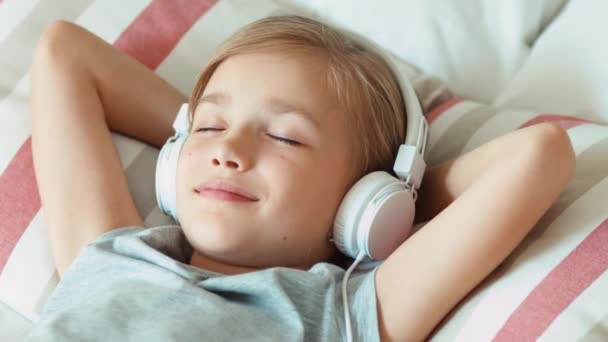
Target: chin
{"points": [[213, 239]]}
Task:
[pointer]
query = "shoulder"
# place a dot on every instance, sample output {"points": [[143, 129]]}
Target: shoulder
{"points": [[116, 256], [168, 239], [125, 248]]}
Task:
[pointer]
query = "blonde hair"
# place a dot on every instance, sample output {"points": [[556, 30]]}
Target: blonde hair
{"points": [[361, 79]]}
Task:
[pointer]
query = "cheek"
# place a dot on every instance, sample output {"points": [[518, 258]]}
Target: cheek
{"points": [[183, 164], [183, 173], [313, 189]]}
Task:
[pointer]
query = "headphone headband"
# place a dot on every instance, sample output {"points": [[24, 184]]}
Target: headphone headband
{"points": [[181, 125], [409, 164]]}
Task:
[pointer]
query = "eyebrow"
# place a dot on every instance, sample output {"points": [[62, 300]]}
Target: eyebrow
{"points": [[272, 105]]}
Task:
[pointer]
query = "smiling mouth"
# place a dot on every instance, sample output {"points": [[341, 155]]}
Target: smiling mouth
{"points": [[223, 195]]}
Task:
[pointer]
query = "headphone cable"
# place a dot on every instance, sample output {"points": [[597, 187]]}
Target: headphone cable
{"points": [[349, 336]]}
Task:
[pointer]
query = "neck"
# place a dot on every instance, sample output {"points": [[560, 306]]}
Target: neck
{"points": [[206, 263], [212, 265]]}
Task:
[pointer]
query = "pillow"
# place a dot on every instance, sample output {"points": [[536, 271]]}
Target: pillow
{"points": [[474, 46], [567, 69], [554, 286]]}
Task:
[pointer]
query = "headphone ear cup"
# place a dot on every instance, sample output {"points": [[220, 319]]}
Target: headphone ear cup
{"points": [[350, 212], [166, 176], [375, 216]]}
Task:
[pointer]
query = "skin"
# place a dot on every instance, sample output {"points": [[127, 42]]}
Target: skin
{"points": [[251, 103]]}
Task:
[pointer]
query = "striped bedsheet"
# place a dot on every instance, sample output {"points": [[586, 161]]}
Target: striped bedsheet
{"points": [[553, 287]]}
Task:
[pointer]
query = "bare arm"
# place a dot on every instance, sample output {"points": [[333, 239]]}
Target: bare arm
{"points": [[444, 182], [492, 197], [81, 89]]}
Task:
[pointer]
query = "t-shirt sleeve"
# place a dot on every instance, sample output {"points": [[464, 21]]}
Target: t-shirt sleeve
{"points": [[87, 269], [116, 254]]}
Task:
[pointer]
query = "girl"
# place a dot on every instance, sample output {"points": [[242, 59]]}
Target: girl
{"points": [[285, 118]]}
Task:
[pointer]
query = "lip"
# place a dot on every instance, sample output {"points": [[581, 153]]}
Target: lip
{"points": [[225, 191]]}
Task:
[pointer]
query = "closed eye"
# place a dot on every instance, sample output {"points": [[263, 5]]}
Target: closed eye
{"points": [[285, 140], [207, 129]]}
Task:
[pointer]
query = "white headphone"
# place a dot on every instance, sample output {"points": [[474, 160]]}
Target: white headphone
{"points": [[377, 213]]}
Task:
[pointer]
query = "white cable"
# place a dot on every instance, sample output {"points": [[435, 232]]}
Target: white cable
{"points": [[349, 333], [168, 225]]}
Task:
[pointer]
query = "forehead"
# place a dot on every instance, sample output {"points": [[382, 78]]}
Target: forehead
{"points": [[294, 78]]}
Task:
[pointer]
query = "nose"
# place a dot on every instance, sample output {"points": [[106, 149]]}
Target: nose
{"points": [[233, 153]]}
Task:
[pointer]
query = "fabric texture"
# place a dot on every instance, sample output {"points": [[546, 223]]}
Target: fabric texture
{"points": [[566, 71], [475, 46], [136, 284]]}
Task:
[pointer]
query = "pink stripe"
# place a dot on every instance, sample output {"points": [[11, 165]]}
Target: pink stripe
{"points": [[563, 121], [559, 288], [155, 32], [19, 200], [442, 108]]}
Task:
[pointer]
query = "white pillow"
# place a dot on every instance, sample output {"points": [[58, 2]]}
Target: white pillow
{"points": [[475, 46], [567, 71]]}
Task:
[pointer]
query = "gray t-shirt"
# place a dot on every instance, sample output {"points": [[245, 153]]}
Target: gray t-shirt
{"points": [[136, 284]]}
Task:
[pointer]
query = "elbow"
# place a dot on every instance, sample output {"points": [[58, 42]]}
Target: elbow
{"points": [[54, 41], [55, 49], [552, 153]]}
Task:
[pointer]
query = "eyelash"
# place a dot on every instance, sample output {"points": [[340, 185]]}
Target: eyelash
{"points": [[277, 138], [285, 141], [206, 129]]}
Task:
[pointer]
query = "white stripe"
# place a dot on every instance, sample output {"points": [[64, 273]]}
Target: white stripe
{"points": [[128, 148], [28, 270], [588, 310], [531, 267], [500, 123], [13, 326], [189, 57], [447, 118], [46, 293], [585, 135], [13, 12]]}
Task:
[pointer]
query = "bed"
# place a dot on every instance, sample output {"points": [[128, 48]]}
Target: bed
{"points": [[481, 68]]}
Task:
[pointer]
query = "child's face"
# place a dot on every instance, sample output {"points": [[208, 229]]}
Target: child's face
{"points": [[295, 189]]}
